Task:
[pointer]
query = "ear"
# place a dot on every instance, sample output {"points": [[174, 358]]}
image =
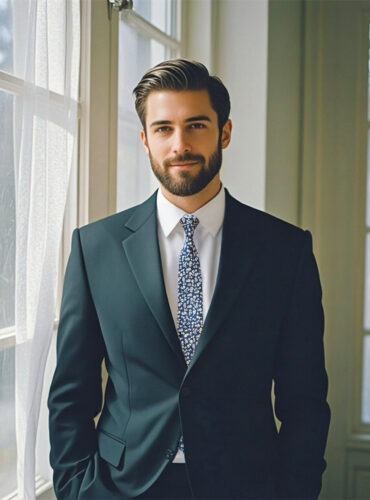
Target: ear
{"points": [[226, 134], [144, 141]]}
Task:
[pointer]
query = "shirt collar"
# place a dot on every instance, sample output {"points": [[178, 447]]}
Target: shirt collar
{"points": [[210, 215]]}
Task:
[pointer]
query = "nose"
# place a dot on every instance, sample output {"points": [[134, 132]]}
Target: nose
{"points": [[181, 143]]}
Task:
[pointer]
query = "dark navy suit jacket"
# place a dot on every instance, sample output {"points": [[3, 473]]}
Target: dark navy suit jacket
{"points": [[265, 324]]}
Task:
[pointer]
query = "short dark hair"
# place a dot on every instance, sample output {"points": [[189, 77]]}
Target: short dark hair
{"points": [[182, 74]]}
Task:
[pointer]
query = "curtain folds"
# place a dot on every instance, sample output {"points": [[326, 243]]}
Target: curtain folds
{"points": [[47, 57]]}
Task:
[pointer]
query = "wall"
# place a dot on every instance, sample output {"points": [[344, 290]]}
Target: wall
{"points": [[284, 109], [230, 37]]}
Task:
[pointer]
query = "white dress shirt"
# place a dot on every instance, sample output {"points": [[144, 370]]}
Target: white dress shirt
{"points": [[207, 239]]}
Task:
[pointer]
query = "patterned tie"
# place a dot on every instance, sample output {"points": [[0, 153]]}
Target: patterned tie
{"points": [[190, 294]]}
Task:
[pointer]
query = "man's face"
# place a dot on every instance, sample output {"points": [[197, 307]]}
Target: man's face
{"points": [[182, 139]]}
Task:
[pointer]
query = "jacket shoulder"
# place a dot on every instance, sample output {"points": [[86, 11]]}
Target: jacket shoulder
{"points": [[264, 222], [113, 220], [120, 223]]}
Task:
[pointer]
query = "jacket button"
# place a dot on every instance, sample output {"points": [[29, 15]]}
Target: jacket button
{"points": [[186, 391], [169, 454]]}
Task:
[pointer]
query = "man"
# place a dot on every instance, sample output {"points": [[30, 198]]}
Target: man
{"points": [[197, 303]]}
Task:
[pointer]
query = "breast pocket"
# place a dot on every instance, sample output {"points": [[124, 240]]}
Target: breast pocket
{"points": [[110, 448]]}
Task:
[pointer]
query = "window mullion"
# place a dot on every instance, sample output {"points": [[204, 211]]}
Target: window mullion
{"points": [[145, 28], [11, 83]]}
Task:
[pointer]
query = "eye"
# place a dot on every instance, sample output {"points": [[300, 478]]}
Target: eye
{"points": [[197, 125], [162, 129]]}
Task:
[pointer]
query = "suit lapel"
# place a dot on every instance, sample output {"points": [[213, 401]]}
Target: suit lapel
{"points": [[241, 240], [143, 255]]}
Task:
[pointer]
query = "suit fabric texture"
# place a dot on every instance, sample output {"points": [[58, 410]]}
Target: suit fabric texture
{"points": [[265, 323]]}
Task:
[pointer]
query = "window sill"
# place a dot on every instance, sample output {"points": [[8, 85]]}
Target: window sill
{"points": [[41, 486]]}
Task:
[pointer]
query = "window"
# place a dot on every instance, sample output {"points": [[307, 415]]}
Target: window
{"points": [[39, 54], [7, 257], [365, 413], [147, 35], [152, 31], [362, 270]]}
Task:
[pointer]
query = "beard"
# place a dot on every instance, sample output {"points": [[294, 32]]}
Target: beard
{"points": [[186, 182]]}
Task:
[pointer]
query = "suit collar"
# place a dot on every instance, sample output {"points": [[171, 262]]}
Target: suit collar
{"points": [[143, 255], [210, 215], [142, 213], [242, 238]]}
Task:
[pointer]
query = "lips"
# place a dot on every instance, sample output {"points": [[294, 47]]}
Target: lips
{"points": [[184, 164]]}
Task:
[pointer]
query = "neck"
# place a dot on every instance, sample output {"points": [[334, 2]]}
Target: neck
{"points": [[192, 203]]}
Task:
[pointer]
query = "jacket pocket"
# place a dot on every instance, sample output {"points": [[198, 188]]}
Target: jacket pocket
{"points": [[110, 448]]}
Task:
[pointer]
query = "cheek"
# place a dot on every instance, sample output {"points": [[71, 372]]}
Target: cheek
{"points": [[164, 147], [207, 141], [152, 145], [158, 151], [209, 148]]}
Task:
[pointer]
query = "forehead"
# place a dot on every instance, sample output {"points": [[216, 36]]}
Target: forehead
{"points": [[176, 105]]}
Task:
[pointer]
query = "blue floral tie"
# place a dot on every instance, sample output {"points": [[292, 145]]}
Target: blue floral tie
{"points": [[190, 294]]}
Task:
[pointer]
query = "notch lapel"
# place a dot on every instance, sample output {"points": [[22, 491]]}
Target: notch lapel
{"points": [[241, 240], [143, 254]]}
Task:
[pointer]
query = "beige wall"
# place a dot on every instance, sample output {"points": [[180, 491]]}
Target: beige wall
{"points": [[284, 109]]}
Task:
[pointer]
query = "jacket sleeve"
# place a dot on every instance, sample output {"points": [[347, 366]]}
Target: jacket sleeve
{"points": [[75, 396], [301, 385]]}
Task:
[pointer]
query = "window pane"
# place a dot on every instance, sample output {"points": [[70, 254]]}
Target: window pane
{"points": [[366, 381], [161, 13], [136, 54], [6, 36], [44, 61], [7, 423], [368, 181], [7, 210], [368, 80]]}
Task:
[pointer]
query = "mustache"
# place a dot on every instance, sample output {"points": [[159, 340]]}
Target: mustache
{"points": [[181, 158]]}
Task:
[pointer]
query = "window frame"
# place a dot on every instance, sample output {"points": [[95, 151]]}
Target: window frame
{"points": [[92, 189], [360, 431], [140, 181], [14, 85]]}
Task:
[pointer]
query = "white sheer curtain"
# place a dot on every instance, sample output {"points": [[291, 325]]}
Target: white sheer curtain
{"points": [[46, 57]]}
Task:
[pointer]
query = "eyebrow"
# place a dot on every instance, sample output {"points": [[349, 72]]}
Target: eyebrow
{"points": [[198, 118]]}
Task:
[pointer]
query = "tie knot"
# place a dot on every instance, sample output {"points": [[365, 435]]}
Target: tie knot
{"points": [[189, 223]]}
